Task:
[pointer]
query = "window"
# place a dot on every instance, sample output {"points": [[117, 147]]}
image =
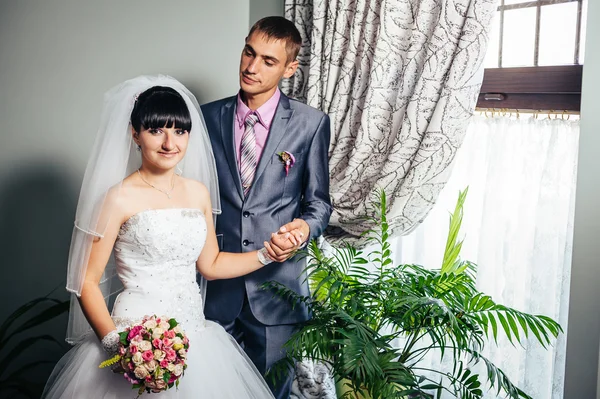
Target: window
{"points": [[535, 56]]}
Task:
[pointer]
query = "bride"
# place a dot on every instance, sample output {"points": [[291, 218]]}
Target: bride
{"points": [[149, 225]]}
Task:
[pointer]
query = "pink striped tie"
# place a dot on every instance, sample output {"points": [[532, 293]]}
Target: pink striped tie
{"points": [[248, 158]]}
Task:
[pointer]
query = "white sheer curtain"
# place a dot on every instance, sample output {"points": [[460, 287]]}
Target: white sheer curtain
{"points": [[517, 227]]}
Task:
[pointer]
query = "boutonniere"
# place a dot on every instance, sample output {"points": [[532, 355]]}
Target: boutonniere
{"points": [[287, 159]]}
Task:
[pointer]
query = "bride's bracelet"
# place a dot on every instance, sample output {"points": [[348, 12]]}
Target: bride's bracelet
{"points": [[110, 342], [263, 256]]}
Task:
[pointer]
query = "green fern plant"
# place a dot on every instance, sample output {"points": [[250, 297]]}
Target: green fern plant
{"points": [[358, 314]]}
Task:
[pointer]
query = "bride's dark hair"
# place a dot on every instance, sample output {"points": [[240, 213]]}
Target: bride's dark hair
{"points": [[159, 107]]}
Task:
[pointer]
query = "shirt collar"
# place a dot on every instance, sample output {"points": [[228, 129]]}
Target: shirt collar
{"points": [[265, 112]]}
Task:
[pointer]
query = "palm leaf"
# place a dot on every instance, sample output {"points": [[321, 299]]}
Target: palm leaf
{"points": [[48, 314], [23, 345], [6, 325], [351, 303], [452, 244]]}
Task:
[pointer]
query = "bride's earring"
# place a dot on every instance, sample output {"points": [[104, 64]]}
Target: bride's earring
{"points": [[139, 147]]}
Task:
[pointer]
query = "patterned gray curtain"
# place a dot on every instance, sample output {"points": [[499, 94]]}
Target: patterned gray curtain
{"points": [[400, 80]]}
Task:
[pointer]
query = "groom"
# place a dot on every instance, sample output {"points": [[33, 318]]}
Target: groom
{"points": [[271, 154]]}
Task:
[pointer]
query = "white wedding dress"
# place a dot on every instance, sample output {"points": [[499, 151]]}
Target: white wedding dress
{"points": [[156, 252]]}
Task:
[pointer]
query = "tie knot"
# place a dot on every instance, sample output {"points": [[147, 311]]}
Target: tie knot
{"points": [[251, 120]]}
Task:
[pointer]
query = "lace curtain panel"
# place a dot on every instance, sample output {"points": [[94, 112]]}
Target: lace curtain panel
{"points": [[518, 227], [399, 80]]}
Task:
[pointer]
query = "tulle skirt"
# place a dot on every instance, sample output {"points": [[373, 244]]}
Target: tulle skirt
{"points": [[217, 369]]}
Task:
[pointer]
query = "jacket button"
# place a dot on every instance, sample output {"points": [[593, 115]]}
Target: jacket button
{"points": [[246, 214], [245, 242]]}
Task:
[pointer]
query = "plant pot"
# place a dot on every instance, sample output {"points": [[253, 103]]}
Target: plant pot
{"points": [[341, 388]]}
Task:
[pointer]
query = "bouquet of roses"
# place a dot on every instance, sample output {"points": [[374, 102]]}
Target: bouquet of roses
{"points": [[151, 355]]}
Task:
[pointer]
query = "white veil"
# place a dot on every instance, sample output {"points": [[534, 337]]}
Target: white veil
{"points": [[113, 158]]}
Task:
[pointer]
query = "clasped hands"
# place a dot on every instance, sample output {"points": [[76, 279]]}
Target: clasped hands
{"points": [[287, 240]]}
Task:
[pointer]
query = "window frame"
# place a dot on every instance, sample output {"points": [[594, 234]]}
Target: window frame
{"points": [[534, 87]]}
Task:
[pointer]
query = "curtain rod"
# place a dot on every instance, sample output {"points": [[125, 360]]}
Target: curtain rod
{"points": [[514, 111]]}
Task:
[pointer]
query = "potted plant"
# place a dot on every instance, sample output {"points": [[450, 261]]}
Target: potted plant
{"points": [[372, 322], [16, 341]]}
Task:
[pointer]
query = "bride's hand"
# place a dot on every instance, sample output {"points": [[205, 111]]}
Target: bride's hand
{"points": [[281, 247]]}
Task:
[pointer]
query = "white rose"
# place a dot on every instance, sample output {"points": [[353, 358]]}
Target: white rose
{"points": [[164, 325], [140, 372], [137, 358], [161, 384], [159, 355], [177, 340], [157, 333], [145, 346], [178, 370], [150, 324], [171, 367], [151, 365], [182, 353], [177, 329]]}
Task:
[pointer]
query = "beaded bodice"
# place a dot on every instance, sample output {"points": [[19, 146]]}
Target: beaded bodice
{"points": [[156, 253]]}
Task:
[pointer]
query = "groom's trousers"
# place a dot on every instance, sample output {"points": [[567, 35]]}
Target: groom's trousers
{"points": [[263, 344]]}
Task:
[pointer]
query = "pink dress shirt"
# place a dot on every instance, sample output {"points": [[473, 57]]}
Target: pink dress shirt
{"points": [[265, 114]]}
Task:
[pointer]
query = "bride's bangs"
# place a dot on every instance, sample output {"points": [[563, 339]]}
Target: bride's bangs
{"points": [[160, 107], [169, 111]]}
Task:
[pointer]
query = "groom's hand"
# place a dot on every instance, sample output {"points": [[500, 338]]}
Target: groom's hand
{"points": [[287, 240], [298, 230]]}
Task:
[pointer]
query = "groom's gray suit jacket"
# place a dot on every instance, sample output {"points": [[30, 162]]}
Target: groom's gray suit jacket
{"points": [[273, 200]]}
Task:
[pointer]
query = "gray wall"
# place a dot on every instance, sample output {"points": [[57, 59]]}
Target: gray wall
{"points": [[263, 8], [583, 337], [57, 58]]}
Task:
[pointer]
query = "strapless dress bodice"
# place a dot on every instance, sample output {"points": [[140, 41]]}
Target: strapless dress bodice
{"points": [[155, 253]]}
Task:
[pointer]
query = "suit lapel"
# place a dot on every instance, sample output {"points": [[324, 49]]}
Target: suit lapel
{"points": [[227, 135], [282, 116]]}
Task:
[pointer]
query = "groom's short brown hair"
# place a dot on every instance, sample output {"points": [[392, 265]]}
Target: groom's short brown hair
{"points": [[279, 28]]}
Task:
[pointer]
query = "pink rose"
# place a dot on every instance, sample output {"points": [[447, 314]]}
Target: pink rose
{"points": [[134, 332], [167, 342], [147, 356], [157, 343], [171, 355], [128, 378], [133, 349], [170, 334], [122, 351], [164, 364]]}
